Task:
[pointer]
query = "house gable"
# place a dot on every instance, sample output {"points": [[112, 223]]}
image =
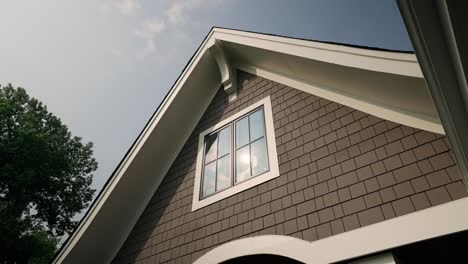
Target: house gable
{"points": [[341, 169], [125, 196]]}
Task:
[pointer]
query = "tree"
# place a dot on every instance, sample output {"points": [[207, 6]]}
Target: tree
{"points": [[45, 178]]}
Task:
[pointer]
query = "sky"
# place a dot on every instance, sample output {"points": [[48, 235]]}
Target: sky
{"points": [[104, 66]]}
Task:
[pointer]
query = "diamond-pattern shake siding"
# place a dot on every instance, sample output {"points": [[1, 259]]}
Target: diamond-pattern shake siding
{"points": [[341, 169]]}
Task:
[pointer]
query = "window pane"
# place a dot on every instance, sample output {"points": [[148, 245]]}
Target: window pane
{"points": [[209, 179], [242, 132], [256, 125], [224, 141], [259, 157], [224, 173], [242, 164], [211, 143]]}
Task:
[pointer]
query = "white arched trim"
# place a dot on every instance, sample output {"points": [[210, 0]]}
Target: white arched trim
{"points": [[286, 246], [445, 219]]}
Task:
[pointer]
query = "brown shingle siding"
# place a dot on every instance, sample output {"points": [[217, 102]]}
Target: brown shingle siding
{"points": [[403, 206], [324, 230], [340, 169], [456, 190], [438, 195], [351, 222], [370, 216]]}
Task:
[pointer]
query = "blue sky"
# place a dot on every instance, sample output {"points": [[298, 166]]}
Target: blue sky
{"points": [[104, 66]]}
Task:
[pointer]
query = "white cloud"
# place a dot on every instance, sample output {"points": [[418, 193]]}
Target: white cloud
{"points": [[104, 8], [177, 12], [175, 16], [128, 7], [116, 52], [149, 31]]}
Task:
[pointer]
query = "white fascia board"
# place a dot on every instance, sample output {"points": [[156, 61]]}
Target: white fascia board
{"points": [[373, 60], [428, 223]]}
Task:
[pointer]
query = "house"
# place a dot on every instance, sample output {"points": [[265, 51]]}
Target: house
{"points": [[282, 150]]}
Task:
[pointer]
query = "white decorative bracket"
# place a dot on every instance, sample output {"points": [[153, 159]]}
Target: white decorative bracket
{"points": [[228, 74]]}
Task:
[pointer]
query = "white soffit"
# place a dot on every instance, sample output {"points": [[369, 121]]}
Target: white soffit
{"points": [[376, 60], [124, 197], [386, 84]]}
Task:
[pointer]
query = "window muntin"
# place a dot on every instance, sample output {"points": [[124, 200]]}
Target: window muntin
{"points": [[222, 171]]}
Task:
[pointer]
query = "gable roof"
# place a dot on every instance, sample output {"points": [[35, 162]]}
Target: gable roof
{"points": [[387, 84]]}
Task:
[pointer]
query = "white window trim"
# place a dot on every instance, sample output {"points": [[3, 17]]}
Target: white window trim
{"points": [[254, 181]]}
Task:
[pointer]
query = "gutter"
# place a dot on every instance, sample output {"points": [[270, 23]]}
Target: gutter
{"points": [[430, 25]]}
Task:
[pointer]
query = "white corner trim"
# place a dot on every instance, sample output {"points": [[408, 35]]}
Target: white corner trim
{"points": [[361, 105], [254, 181], [228, 75], [433, 222]]}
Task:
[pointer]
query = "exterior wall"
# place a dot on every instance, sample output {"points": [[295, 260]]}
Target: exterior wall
{"points": [[341, 169]]}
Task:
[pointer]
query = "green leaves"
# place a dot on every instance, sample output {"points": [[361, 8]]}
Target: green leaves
{"points": [[45, 172]]}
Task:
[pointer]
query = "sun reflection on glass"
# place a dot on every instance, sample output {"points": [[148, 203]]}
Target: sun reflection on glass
{"points": [[245, 158]]}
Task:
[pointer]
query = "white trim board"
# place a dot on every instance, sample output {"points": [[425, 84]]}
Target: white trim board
{"points": [[433, 222], [272, 173], [348, 100]]}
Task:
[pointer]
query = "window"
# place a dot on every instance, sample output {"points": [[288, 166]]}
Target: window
{"points": [[246, 149], [236, 154]]}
